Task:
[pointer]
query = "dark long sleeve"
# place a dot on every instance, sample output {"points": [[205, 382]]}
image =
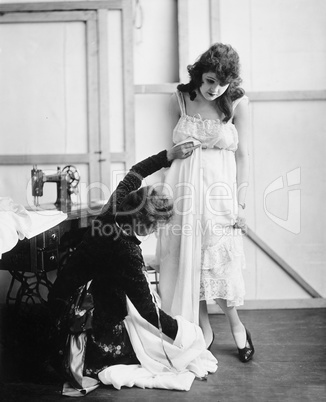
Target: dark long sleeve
{"points": [[133, 180], [135, 285]]}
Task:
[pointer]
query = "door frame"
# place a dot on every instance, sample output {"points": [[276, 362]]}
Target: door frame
{"points": [[99, 156]]}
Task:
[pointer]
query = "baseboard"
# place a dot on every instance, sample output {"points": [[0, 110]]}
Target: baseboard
{"points": [[265, 305], [273, 305]]}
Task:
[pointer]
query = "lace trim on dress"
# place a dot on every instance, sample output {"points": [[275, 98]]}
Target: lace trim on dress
{"points": [[213, 133], [221, 275], [205, 126], [218, 255]]}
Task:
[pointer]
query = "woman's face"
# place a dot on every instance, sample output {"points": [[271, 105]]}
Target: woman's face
{"points": [[211, 87]]}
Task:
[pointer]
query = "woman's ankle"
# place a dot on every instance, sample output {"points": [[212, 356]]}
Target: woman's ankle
{"points": [[239, 335]]}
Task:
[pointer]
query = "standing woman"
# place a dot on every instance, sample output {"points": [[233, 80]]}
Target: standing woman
{"points": [[201, 258]]}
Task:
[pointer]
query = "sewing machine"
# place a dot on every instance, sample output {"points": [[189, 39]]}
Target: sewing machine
{"points": [[66, 180]]}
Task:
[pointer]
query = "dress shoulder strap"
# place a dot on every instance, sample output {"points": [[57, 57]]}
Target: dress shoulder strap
{"points": [[181, 101], [237, 101]]}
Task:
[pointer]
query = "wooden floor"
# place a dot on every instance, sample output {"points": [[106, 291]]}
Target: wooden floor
{"points": [[289, 365]]}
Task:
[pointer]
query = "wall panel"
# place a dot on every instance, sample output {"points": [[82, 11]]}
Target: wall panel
{"points": [[43, 104], [282, 50]]}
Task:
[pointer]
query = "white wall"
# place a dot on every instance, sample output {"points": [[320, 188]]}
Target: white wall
{"points": [[282, 46], [43, 108]]}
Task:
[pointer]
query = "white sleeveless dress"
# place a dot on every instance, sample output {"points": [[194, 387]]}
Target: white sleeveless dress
{"points": [[199, 253]]}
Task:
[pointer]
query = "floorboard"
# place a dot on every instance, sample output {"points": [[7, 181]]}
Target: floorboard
{"points": [[289, 364]]}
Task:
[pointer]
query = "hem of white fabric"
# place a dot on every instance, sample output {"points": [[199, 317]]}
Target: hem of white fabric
{"points": [[229, 303]]}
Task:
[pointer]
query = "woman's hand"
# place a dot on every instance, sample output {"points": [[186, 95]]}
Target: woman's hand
{"points": [[181, 151], [241, 221]]}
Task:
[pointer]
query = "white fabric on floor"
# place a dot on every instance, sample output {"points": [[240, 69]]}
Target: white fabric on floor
{"points": [[188, 355], [135, 375]]}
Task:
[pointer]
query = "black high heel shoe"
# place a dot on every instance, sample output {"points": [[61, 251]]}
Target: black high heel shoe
{"points": [[247, 352], [210, 345]]}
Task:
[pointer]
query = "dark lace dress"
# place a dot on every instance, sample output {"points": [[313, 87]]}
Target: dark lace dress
{"points": [[113, 261]]}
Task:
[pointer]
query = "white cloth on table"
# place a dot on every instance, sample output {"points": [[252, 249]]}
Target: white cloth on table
{"points": [[16, 223]]}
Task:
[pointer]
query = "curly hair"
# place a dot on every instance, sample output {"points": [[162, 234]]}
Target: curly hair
{"points": [[222, 60], [147, 207]]}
